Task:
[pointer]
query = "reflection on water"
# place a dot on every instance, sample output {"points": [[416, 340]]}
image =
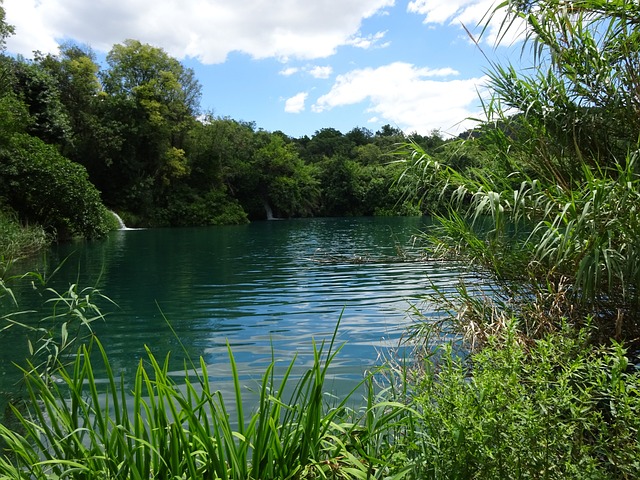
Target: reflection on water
{"points": [[268, 288]]}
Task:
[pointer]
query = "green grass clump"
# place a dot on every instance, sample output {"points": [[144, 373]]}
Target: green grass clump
{"points": [[17, 241], [76, 428]]}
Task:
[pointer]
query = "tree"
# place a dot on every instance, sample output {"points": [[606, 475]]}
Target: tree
{"points": [[359, 136], [39, 91], [151, 102], [388, 137], [342, 189], [216, 148], [326, 143], [285, 183], [6, 30], [76, 73]]}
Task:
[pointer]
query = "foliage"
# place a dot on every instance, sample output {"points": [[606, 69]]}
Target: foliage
{"points": [[6, 30], [48, 189], [39, 91], [548, 203], [580, 106], [210, 208], [77, 427], [17, 241], [282, 180], [149, 106], [555, 408]]}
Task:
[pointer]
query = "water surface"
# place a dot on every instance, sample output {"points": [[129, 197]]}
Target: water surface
{"points": [[268, 288]]}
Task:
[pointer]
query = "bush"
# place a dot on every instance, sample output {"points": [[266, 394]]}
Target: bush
{"points": [[45, 188], [213, 208], [557, 408]]}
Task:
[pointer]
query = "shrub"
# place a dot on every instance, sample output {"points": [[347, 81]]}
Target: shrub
{"points": [[556, 408], [212, 208], [44, 187]]}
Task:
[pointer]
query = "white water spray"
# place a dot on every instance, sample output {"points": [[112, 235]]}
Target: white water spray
{"points": [[120, 221]]}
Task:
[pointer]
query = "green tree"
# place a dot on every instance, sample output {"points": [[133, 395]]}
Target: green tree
{"points": [[217, 148], [326, 143], [342, 189], [6, 30], [285, 183], [76, 73], [39, 91], [388, 138], [151, 102]]}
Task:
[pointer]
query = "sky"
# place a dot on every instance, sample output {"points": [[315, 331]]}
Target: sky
{"points": [[296, 65]]}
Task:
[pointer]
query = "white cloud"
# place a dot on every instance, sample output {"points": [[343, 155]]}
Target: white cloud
{"points": [[470, 13], [320, 72], [369, 41], [287, 72], [296, 103], [416, 99], [206, 29], [32, 32]]}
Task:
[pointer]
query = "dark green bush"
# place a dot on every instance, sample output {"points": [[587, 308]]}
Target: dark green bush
{"points": [[45, 188], [212, 208]]}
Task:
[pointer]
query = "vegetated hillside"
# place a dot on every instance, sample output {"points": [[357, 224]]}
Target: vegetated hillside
{"points": [[135, 126]]}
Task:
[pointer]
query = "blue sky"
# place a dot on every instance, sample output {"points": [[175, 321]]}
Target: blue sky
{"points": [[295, 65]]}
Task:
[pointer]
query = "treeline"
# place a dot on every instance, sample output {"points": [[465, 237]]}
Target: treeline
{"points": [[130, 136]]}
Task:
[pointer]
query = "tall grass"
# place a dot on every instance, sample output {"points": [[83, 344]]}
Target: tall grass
{"points": [[17, 241], [549, 207], [80, 427], [538, 238]]}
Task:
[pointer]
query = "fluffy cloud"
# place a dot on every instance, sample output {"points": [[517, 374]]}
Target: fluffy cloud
{"points": [[369, 41], [287, 72], [415, 99], [321, 72], [470, 13], [316, 71], [205, 29], [296, 103]]}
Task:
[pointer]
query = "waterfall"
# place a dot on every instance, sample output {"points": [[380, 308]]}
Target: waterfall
{"points": [[267, 208], [120, 222]]}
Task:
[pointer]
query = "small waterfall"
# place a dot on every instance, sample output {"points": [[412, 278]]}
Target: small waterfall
{"points": [[267, 208], [120, 221]]}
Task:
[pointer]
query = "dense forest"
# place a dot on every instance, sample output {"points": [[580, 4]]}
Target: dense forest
{"points": [[130, 135]]}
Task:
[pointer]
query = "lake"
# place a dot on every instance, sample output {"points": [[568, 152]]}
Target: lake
{"points": [[267, 288]]}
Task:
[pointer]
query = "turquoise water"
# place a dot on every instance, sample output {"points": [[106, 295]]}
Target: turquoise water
{"points": [[268, 288]]}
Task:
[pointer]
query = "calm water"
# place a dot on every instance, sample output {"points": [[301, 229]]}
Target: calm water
{"points": [[268, 287]]}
